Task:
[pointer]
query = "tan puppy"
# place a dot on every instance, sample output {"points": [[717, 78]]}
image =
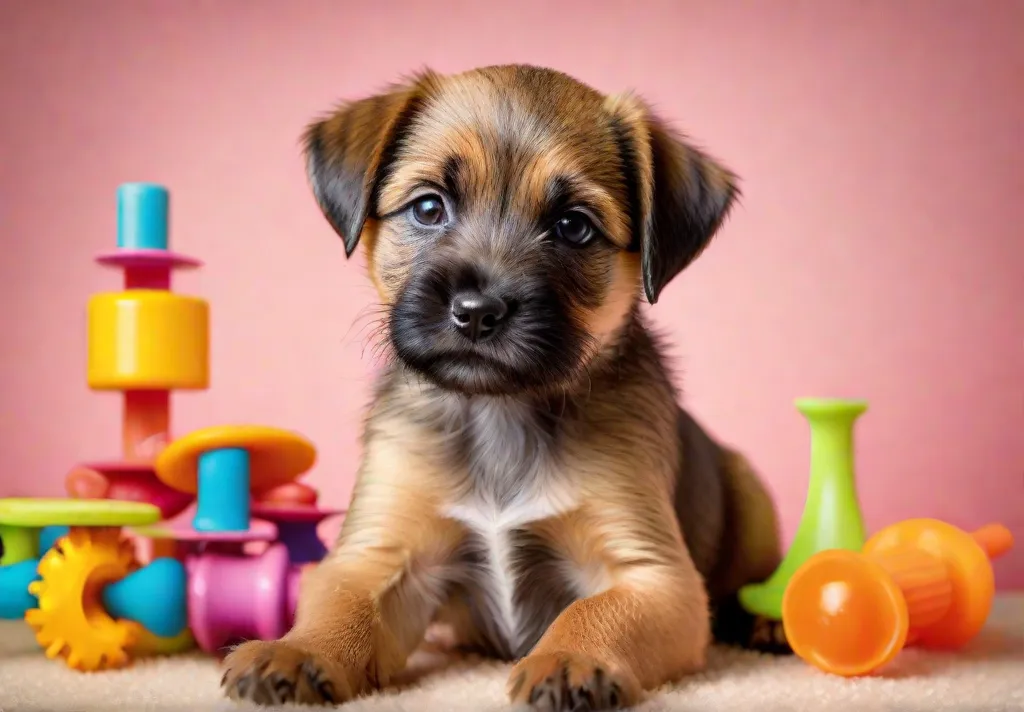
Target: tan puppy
{"points": [[528, 476]]}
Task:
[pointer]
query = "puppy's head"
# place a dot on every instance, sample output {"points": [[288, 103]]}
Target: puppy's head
{"points": [[512, 218]]}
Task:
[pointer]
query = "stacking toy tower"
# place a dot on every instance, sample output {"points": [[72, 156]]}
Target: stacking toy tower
{"points": [[66, 565], [232, 596], [832, 517], [146, 341], [919, 582]]}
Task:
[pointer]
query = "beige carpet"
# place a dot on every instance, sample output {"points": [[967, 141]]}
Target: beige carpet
{"points": [[988, 676]]}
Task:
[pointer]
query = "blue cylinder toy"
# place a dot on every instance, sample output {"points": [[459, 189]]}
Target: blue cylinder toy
{"points": [[142, 216], [223, 491]]}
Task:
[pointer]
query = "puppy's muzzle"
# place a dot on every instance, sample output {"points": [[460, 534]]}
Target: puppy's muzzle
{"points": [[478, 316]]}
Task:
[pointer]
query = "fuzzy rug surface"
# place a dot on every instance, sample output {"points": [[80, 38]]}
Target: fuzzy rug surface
{"points": [[987, 676]]}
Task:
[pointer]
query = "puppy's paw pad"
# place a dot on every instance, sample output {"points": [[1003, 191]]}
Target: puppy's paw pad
{"points": [[570, 682], [277, 673]]}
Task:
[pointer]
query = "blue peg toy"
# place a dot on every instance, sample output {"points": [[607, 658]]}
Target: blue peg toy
{"points": [[142, 216]]}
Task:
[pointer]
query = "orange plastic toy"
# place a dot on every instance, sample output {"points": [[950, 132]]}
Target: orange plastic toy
{"points": [[919, 582]]}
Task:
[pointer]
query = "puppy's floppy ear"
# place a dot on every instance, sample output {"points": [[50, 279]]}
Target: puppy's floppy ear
{"points": [[349, 151], [680, 194]]}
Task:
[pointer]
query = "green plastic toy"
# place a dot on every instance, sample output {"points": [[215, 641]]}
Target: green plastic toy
{"points": [[832, 517], [22, 518]]}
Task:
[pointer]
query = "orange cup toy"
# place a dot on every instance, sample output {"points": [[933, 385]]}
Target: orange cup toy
{"points": [[918, 582]]}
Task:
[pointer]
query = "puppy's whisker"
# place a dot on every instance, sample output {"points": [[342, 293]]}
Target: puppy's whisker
{"points": [[378, 343], [368, 314], [371, 333]]}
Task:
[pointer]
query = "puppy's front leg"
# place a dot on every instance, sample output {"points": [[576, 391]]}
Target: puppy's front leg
{"points": [[651, 627], [366, 607]]}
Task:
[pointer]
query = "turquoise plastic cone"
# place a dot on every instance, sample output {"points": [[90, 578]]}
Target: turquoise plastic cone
{"points": [[154, 596], [832, 516]]}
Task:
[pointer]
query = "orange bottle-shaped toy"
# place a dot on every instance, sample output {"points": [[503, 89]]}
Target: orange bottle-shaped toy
{"points": [[919, 582]]}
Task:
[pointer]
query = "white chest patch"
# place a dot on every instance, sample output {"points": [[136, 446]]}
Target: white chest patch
{"points": [[493, 525]]}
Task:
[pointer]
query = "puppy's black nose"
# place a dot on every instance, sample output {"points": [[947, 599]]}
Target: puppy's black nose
{"points": [[477, 316]]}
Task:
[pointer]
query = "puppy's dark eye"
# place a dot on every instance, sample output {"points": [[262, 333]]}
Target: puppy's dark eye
{"points": [[575, 228], [428, 211]]}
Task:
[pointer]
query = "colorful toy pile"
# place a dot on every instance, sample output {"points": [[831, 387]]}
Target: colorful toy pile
{"points": [[69, 566], [848, 606]]}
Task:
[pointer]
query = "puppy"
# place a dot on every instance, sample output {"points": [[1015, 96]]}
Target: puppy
{"points": [[528, 477]]}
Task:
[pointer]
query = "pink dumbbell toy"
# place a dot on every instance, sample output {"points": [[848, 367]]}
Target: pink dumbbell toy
{"points": [[232, 598]]}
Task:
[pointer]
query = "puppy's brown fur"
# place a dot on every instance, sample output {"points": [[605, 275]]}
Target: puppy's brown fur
{"points": [[542, 493]]}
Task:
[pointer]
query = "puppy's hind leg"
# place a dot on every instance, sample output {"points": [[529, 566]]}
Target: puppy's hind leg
{"points": [[750, 554]]}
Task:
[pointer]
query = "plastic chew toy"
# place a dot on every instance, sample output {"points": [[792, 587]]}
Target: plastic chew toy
{"points": [[232, 598], [63, 595], [91, 604], [15, 579], [20, 548], [126, 481], [19, 561], [153, 596], [144, 341], [230, 595], [293, 509], [224, 464], [832, 516], [919, 582]]}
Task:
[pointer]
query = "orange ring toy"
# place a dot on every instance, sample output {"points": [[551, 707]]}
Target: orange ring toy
{"points": [[276, 456]]}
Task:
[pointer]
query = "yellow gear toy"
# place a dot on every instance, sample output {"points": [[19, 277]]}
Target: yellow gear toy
{"points": [[70, 621]]}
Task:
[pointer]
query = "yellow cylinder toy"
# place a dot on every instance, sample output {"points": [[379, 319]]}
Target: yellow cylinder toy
{"points": [[147, 339]]}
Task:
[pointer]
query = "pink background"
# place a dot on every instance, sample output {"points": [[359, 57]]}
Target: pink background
{"points": [[877, 252]]}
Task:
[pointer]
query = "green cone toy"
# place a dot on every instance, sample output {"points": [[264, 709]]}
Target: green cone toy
{"points": [[831, 518]]}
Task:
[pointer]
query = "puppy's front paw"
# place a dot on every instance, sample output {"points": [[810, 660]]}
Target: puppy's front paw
{"points": [[275, 672], [570, 682]]}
